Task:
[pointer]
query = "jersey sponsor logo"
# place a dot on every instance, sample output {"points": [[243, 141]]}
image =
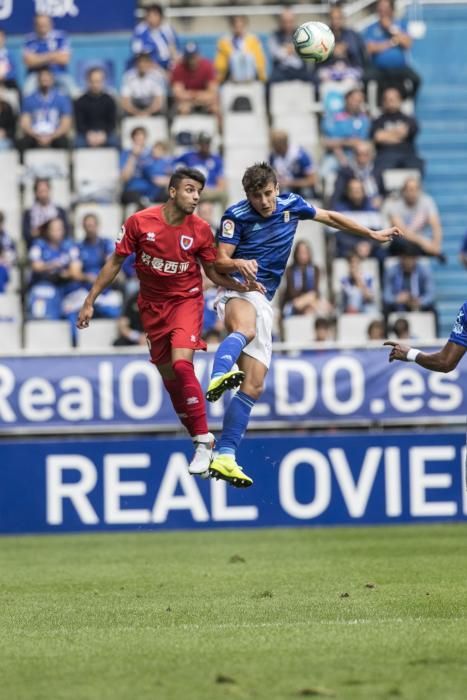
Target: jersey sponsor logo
{"points": [[228, 228], [286, 217], [160, 265], [121, 234], [186, 242], [150, 236]]}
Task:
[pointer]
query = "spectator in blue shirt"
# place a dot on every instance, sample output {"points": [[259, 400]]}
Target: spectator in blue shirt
{"points": [[293, 165], [210, 164], [49, 48], [158, 171], [387, 43], [156, 37], [7, 65], [133, 163], [408, 286], [55, 269], [344, 130], [357, 289], [46, 116]]}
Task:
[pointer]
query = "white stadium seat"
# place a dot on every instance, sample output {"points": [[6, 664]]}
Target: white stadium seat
{"points": [[245, 129], [47, 335], [394, 178], [10, 333], [422, 324], [301, 128], [156, 127], [60, 193], [95, 170], [353, 328], [292, 97], [50, 163], [237, 159], [13, 224], [99, 336], [195, 124], [299, 329], [110, 219], [9, 179], [255, 92], [10, 308]]}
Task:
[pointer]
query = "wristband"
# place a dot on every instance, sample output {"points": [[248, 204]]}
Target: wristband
{"points": [[412, 354]]}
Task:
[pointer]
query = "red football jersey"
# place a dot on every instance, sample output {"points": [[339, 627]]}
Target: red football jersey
{"points": [[166, 256]]}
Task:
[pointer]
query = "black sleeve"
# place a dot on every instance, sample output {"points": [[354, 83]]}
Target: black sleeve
{"points": [[112, 114], [375, 125], [413, 127], [80, 117]]}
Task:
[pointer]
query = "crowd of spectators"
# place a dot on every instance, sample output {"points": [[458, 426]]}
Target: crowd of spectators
{"points": [[167, 77]]}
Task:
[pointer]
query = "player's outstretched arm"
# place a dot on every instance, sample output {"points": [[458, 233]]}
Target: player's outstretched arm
{"points": [[105, 277], [226, 264], [229, 282], [344, 223], [445, 360]]}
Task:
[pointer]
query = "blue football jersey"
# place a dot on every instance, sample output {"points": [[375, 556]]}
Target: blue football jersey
{"points": [[459, 331], [268, 240]]}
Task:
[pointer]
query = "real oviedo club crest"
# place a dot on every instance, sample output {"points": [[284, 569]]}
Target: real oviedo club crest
{"points": [[186, 241]]}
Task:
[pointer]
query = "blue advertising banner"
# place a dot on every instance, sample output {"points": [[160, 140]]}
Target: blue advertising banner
{"points": [[16, 16], [68, 486], [124, 392]]}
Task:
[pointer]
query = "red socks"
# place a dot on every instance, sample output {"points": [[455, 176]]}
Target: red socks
{"points": [[187, 398]]}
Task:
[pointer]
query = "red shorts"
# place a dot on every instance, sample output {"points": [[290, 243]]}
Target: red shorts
{"points": [[172, 323]]}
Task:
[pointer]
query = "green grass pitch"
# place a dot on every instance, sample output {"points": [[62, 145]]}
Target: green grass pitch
{"points": [[275, 614]]}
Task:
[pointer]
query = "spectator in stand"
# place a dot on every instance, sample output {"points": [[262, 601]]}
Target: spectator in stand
{"points": [[417, 215], [7, 254], [240, 56], [46, 116], [348, 59], [93, 252], [158, 170], [408, 286], [144, 89], [387, 43], [401, 329], [293, 165], [323, 330], [376, 330], [353, 200], [205, 210], [42, 211], [130, 330], [357, 293], [286, 64], [7, 125], [210, 164], [55, 269], [361, 167], [133, 163], [194, 83], [48, 48], [156, 37], [343, 131], [394, 135], [96, 114], [7, 65], [463, 252], [301, 295]]}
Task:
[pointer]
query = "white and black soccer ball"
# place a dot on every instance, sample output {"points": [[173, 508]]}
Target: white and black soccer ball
{"points": [[314, 41]]}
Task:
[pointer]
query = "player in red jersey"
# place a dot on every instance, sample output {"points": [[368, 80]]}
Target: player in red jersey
{"points": [[168, 241]]}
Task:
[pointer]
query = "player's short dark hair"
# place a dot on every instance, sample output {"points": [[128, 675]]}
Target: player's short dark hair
{"points": [[186, 174], [258, 176]]}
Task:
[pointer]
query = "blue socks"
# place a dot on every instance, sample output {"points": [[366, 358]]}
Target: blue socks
{"points": [[236, 420], [227, 353]]}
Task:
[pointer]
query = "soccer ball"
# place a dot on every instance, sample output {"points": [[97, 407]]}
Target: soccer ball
{"points": [[314, 41]]}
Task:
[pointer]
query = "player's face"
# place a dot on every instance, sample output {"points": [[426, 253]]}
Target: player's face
{"points": [[187, 195], [264, 200]]}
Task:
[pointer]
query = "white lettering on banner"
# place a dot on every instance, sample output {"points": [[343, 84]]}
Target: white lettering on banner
{"points": [[106, 394], [57, 490], [220, 509], [177, 475], [114, 489], [56, 8], [356, 494], [421, 482], [392, 477], [405, 384], [329, 384], [322, 475], [6, 8], [442, 385], [76, 405], [127, 390], [7, 386], [36, 399], [282, 370]]}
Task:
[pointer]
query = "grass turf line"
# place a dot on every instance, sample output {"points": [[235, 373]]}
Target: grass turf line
{"points": [[356, 614]]}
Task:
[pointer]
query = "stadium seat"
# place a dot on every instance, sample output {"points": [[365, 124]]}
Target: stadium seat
{"points": [[11, 96], [10, 333], [422, 324], [47, 335], [237, 159], [394, 178], [99, 336], [299, 329], [353, 328], [96, 173], [245, 129], [314, 234], [255, 92], [9, 179], [10, 307], [12, 219], [340, 268], [193, 125], [60, 192], [156, 127], [292, 97], [302, 129], [110, 219], [14, 285]]}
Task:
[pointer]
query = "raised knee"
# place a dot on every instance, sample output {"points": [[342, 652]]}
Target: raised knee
{"points": [[253, 389], [249, 332]]}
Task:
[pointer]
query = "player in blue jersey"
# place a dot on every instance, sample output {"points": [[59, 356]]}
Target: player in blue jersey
{"points": [[255, 240], [445, 359]]}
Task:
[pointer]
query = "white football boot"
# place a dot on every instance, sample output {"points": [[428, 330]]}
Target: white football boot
{"points": [[202, 458]]}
